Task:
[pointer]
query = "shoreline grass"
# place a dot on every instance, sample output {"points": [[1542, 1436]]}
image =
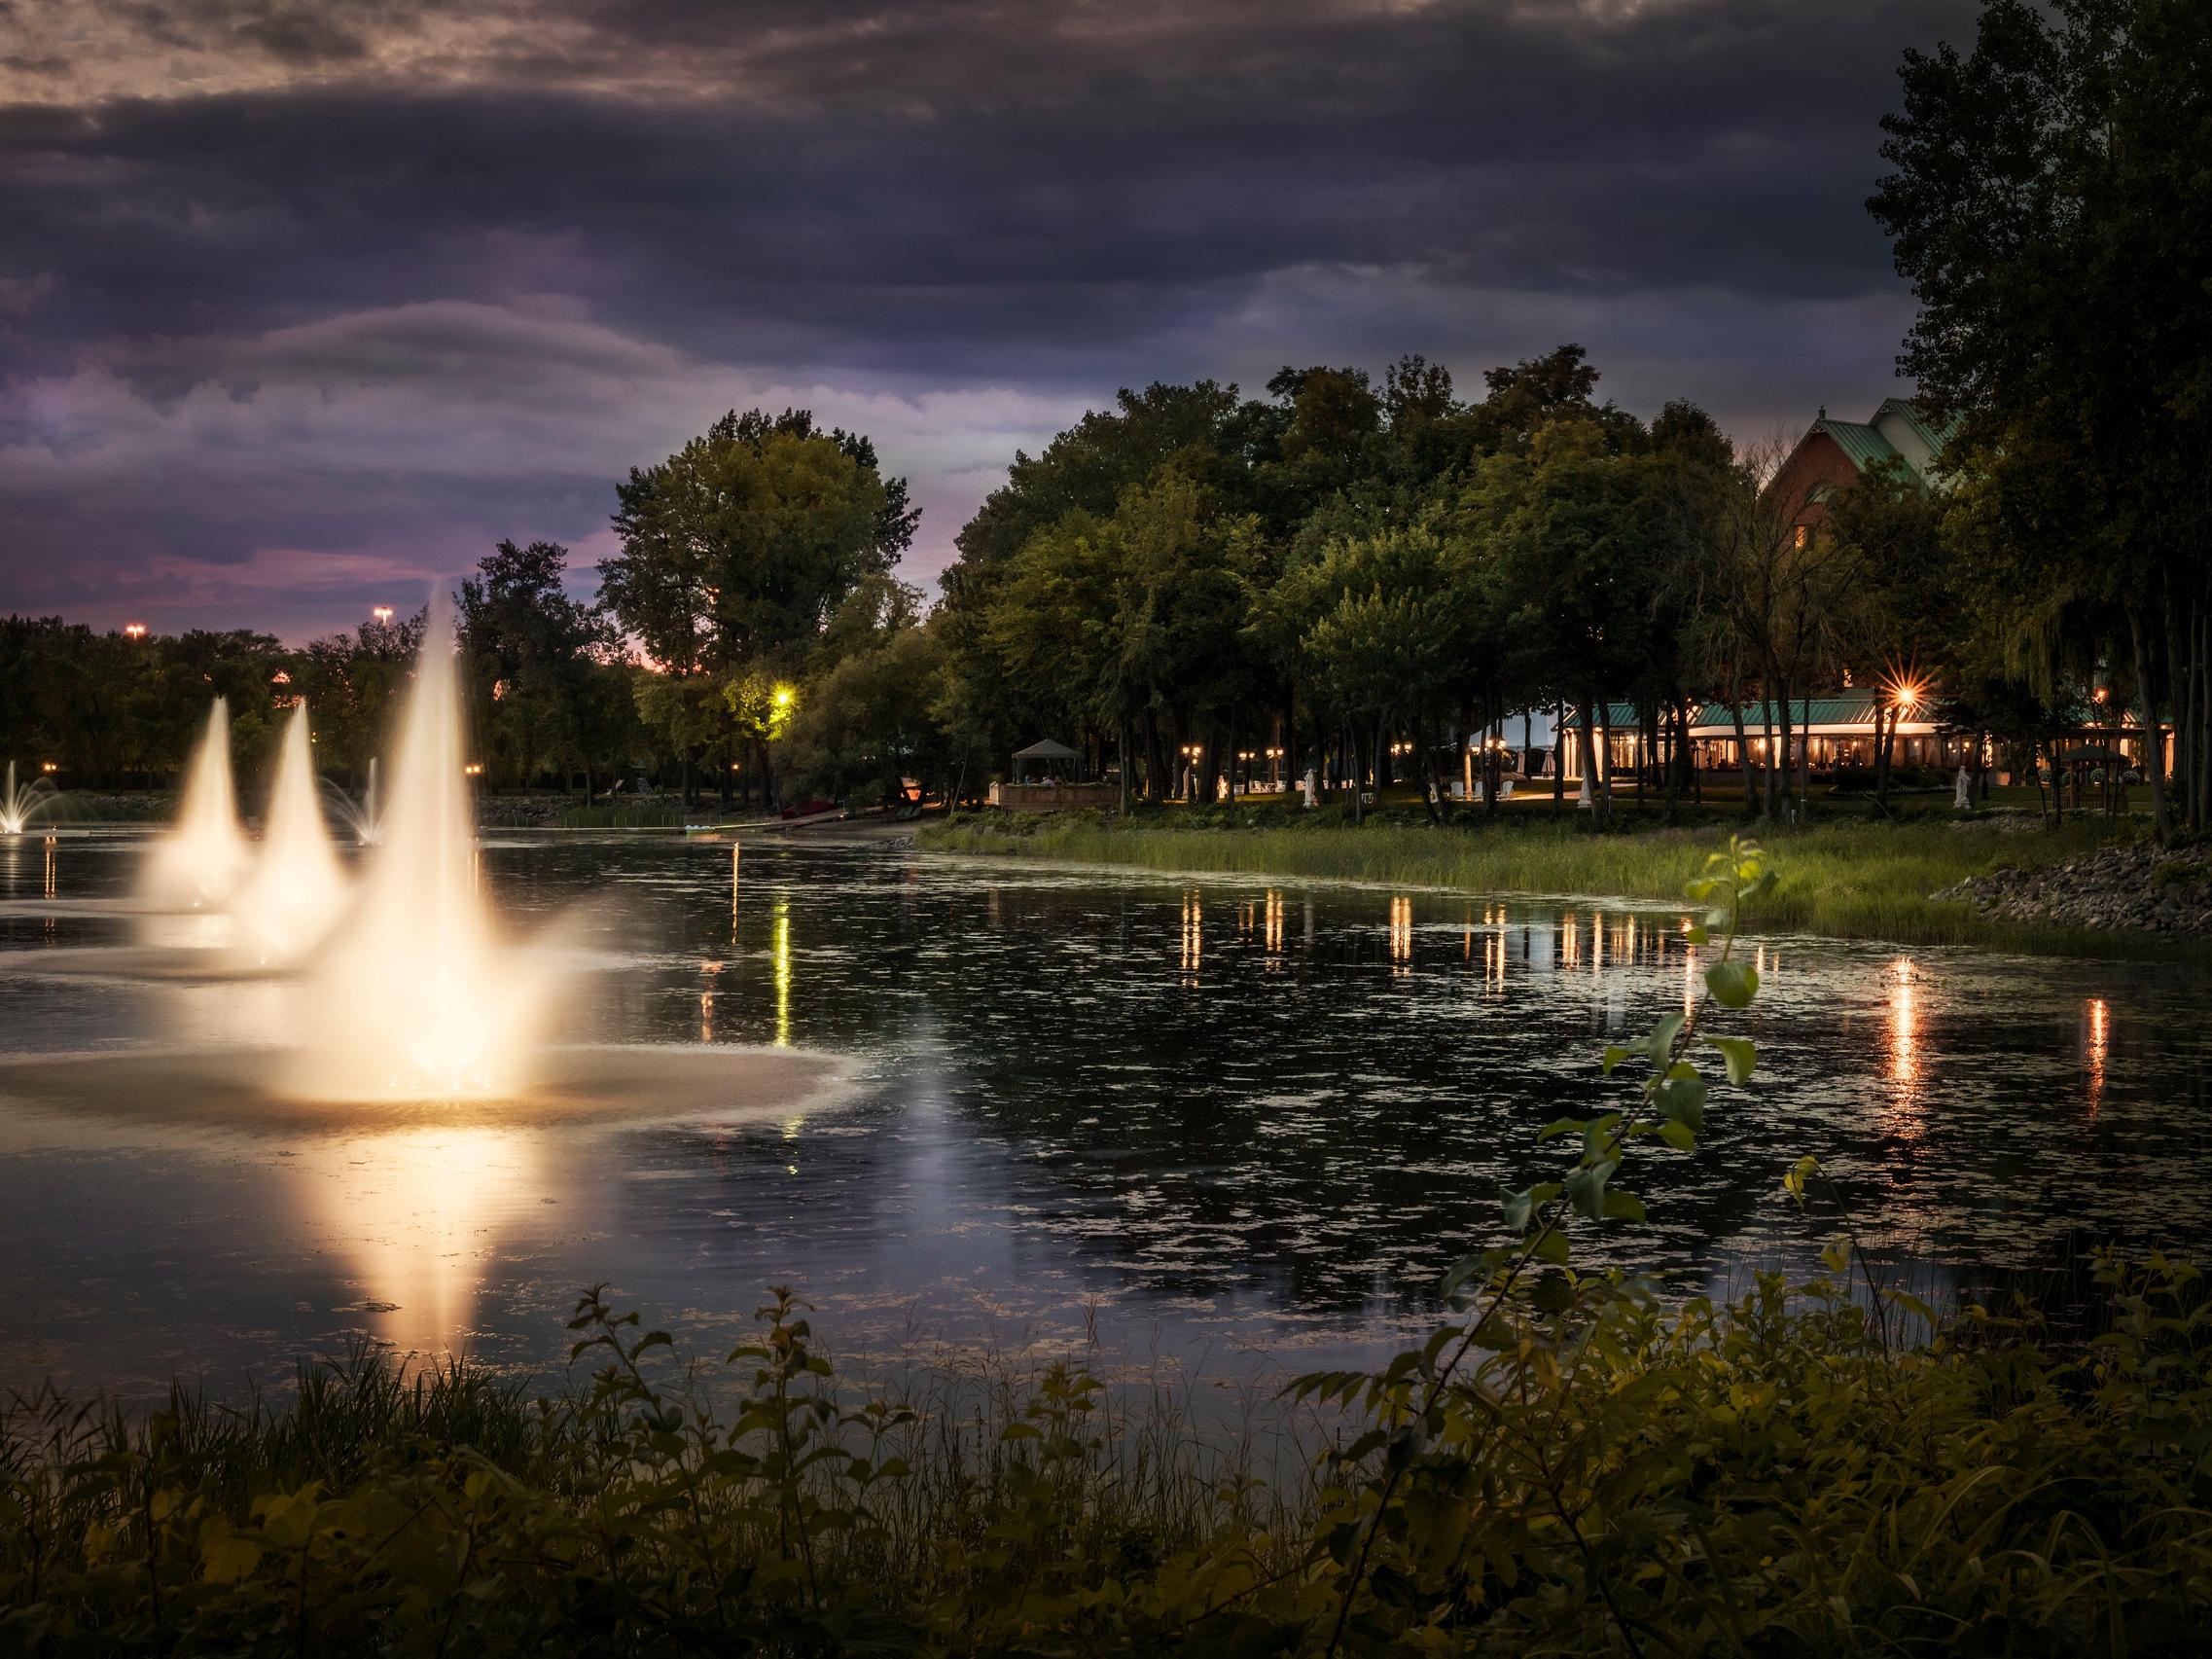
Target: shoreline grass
{"points": [[1843, 879], [1731, 1473]]}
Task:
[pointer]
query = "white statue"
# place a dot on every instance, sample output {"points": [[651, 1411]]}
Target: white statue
{"points": [[1312, 796], [1962, 791]]}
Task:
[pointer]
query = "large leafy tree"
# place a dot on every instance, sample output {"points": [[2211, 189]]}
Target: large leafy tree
{"points": [[534, 655], [735, 553]]}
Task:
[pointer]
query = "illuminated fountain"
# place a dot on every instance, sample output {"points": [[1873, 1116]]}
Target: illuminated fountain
{"points": [[16, 805], [296, 890], [197, 863], [414, 1000], [399, 1005]]}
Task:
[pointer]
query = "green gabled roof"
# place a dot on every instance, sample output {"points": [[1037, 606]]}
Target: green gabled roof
{"points": [[1860, 441], [1934, 437], [1850, 709]]}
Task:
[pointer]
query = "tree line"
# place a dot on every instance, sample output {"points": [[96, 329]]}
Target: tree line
{"points": [[1359, 571]]}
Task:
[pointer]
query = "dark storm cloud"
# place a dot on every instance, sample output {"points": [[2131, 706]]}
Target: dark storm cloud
{"points": [[311, 233]]}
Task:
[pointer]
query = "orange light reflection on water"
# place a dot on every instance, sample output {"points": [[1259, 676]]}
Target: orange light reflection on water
{"points": [[2098, 1046], [1903, 1032]]}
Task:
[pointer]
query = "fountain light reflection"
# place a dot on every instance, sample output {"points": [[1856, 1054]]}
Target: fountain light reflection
{"points": [[415, 1215]]}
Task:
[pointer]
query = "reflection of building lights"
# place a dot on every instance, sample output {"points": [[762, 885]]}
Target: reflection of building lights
{"points": [[712, 970], [1402, 935], [1904, 1025], [2100, 1044], [1194, 935], [1274, 921]]}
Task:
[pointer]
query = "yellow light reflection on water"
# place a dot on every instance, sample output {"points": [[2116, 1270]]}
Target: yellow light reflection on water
{"points": [[1401, 936], [782, 958], [1194, 935]]}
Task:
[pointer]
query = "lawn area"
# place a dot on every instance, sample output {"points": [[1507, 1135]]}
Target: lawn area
{"points": [[1848, 877]]}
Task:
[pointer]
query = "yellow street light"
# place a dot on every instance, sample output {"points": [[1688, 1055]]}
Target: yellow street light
{"points": [[382, 613], [50, 767], [135, 629]]}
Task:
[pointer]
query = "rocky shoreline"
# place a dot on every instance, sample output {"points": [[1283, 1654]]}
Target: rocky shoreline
{"points": [[2140, 887]]}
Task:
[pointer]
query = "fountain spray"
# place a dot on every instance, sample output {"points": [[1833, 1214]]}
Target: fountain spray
{"points": [[296, 887], [197, 864]]}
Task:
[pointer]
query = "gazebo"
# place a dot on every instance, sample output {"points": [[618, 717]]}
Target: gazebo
{"points": [[1056, 761]]}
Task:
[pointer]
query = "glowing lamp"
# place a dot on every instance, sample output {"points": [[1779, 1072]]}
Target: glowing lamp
{"points": [[135, 629]]}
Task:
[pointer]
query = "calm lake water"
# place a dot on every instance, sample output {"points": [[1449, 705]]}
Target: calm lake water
{"points": [[1226, 1125]]}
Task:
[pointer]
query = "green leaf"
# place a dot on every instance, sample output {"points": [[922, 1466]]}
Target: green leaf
{"points": [[1520, 1206], [1551, 1247], [1682, 1099], [1679, 1135], [1740, 1051], [1614, 1054], [1585, 1187], [1624, 1207], [1733, 984]]}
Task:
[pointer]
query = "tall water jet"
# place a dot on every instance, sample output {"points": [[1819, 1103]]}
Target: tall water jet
{"points": [[197, 863], [296, 888], [414, 1000], [18, 805]]}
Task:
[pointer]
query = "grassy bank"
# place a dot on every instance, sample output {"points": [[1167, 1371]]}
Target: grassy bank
{"points": [[1847, 877], [1613, 1476]]}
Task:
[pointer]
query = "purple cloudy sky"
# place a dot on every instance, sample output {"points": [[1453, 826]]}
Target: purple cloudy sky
{"points": [[301, 303]]}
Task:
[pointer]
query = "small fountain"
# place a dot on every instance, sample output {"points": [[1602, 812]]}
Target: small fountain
{"points": [[16, 805], [358, 817], [197, 863], [296, 888]]}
